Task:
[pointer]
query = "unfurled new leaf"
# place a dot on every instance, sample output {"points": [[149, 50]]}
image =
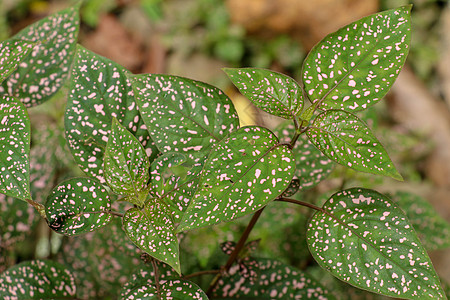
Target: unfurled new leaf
{"points": [[126, 166], [12, 52], [152, 230], [364, 239], [348, 141], [275, 280], [37, 279], [273, 92], [243, 173], [354, 67], [40, 75], [100, 91], [183, 115], [77, 206], [14, 149]]}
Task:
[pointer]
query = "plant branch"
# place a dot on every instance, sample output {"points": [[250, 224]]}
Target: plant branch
{"points": [[240, 244], [156, 276], [206, 272]]}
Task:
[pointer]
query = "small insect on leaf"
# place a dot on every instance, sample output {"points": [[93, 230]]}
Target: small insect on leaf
{"points": [[273, 92], [364, 239], [40, 75], [77, 206], [37, 279], [354, 67], [14, 149]]}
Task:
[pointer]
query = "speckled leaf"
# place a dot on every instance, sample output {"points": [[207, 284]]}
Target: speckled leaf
{"points": [[432, 229], [126, 166], [364, 239], [41, 74], [152, 230], [37, 279], [275, 281], [183, 115], [12, 52], [355, 66], [77, 206], [312, 165], [348, 141], [171, 289], [162, 172], [14, 149], [273, 92], [100, 92], [243, 173]]}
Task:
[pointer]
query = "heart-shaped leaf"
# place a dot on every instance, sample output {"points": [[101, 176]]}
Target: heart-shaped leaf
{"points": [[126, 166], [273, 92], [312, 165], [274, 280], [12, 52], [40, 75], [152, 230], [364, 239], [37, 279], [14, 149], [183, 115], [243, 173], [348, 141], [100, 91], [432, 229], [77, 206], [355, 66]]}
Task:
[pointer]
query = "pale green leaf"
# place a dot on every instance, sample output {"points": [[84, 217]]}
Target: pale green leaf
{"points": [[37, 279], [364, 239], [126, 165], [152, 230], [183, 115], [100, 91], [344, 138], [14, 149], [40, 75], [78, 205], [354, 67], [243, 173], [273, 92]]}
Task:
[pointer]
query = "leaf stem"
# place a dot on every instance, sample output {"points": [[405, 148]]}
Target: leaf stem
{"points": [[302, 203], [39, 207], [240, 244], [206, 272], [156, 276], [116, 213]]}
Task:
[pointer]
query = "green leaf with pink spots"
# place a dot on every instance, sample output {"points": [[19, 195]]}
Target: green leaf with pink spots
{"points": [[99, 92], [152, 230], [78, 205], [183, 115], [273, 92], [275, 280], [347, 140], [37, 279], [12, 52], [361, 237], [40, 75], [14, 149], [126, 166], [243, 173], [354, 67]]}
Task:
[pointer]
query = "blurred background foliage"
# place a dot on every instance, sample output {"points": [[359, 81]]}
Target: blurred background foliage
{"points": [[195, 39]]}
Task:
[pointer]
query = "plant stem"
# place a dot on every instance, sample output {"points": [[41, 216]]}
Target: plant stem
{"points": [[116, 213], [302, 204], [240, 244], [297, 132], [201, 273], [156, 276], [39, 207]]}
